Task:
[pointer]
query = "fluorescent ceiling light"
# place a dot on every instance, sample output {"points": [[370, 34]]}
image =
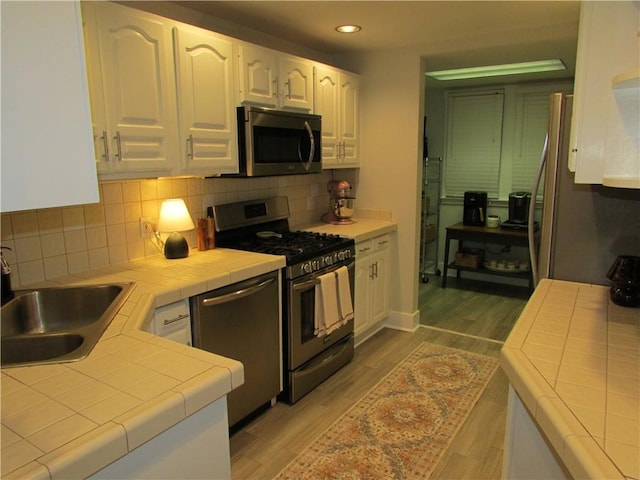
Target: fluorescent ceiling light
{"points": [[497, 70], [348, 28]]}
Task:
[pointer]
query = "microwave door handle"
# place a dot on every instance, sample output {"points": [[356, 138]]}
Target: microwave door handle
{"points": [[312, 149]]}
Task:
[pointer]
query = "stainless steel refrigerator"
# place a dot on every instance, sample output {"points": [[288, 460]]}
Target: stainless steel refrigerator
{"points": [[583, 227]]}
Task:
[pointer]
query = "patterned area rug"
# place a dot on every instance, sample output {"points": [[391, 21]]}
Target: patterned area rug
{"points": [[401, 428]]}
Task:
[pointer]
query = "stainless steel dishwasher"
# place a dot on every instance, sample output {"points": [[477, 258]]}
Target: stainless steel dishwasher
{"points": [[242, 321]]}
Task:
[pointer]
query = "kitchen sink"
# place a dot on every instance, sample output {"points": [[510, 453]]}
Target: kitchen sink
{"points": [[57, 324]]}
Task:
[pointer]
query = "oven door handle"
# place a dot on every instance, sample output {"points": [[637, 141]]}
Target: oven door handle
{"points": [[314, 281], [243, 292]]}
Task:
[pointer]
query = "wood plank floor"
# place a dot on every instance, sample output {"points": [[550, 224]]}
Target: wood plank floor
{"points": [[268, 443], [472, 307]]}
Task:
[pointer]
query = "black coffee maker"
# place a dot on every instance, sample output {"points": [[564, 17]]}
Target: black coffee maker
{"points": [[519, 207], [475, 208]]}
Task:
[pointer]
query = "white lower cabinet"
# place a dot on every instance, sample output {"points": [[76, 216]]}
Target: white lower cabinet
{"points": [[196, 448], [372, 294], [173, 322], [527, 453]]}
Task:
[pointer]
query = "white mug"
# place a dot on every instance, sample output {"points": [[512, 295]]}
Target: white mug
{"points": [[493, 221]]}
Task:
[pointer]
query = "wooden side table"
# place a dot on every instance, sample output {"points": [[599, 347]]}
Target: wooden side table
{"points": [[463, 233]]}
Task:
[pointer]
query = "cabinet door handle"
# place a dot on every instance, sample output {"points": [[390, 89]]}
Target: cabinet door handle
{"points": [[288, 84], [362, 250], [105, 145], [375, 269], [190, 146], [169, 321], [371, 274], [383, 242], [275, 87], [118, 146]]}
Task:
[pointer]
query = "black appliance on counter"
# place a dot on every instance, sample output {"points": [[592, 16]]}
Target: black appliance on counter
{"points": [[262, 226], [519, 212], [475, 208], [519, 207]]}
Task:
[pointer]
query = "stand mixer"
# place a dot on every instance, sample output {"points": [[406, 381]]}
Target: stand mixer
{"points": [[340, 203]]}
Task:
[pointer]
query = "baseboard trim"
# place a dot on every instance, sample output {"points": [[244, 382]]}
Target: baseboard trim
{"points": [[406, 322]]}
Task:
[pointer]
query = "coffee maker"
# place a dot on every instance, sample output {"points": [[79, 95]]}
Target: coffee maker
{"points": [[519, 207], [475, 208]]}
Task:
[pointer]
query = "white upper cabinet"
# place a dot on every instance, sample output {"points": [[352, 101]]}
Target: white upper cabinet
{"points": [[46, 121], [336, 100], [327, 104], [274, 80], [137, 127], [605, 115], [258, 76], [349, 118], [206, 103], [295, 83]]}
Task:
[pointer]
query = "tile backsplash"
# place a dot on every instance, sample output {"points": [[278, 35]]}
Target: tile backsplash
{"points": [[54, 242]]}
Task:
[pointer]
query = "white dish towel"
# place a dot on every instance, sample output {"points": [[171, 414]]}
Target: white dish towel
{"points": [[344, 294], [333, 305]]}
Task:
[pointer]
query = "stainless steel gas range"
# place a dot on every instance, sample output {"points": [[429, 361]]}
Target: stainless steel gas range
{"points": [[263, 226]]}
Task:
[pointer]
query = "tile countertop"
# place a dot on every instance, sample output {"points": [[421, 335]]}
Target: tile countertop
{"points": [[361, 230], [69, 420], [573, 358]]}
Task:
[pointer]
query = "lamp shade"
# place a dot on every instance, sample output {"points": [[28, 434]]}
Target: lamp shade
{"points": [[174, 216]]}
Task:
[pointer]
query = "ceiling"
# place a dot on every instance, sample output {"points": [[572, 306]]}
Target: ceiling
{"points": [[523, 30]]}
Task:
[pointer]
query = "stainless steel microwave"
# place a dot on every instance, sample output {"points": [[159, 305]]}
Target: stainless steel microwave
{"points": [[277, 142]]}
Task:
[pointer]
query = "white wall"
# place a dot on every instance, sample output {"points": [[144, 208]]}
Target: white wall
{"points": [[391, 113]]}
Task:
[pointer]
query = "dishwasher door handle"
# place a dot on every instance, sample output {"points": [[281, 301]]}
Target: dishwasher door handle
{"points": [[243, 292]]}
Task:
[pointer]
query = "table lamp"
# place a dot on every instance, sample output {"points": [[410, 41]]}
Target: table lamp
{"points": [[174, 217]]}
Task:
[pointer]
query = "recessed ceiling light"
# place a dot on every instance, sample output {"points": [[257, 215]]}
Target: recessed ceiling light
{"points": [[348, 28], [497, 70]]}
